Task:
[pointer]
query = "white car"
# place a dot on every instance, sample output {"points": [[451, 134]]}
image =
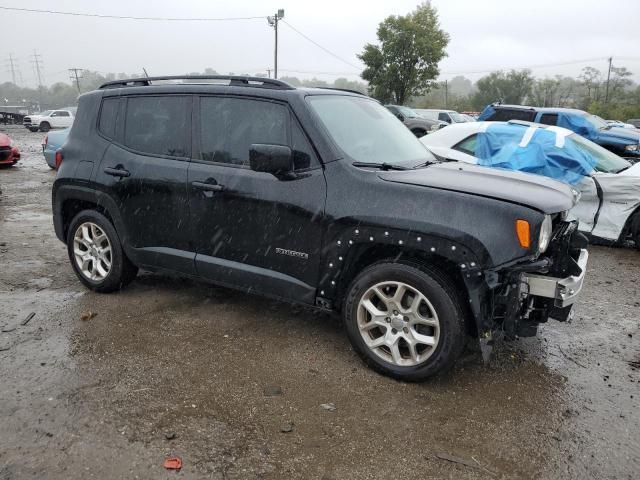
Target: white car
{"points": [[449, 116], [49, 119], [609, 207]]}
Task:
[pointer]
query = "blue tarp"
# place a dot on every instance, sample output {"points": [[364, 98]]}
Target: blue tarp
{"points": [[486, 113], [543, 151], [579, 124]]}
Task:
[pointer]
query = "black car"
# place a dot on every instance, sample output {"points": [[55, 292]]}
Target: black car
{"points": [[418, 124], [319, 197]]}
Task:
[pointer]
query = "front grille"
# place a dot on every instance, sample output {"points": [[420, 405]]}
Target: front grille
{"points": [[4, 153], [26, 120]]}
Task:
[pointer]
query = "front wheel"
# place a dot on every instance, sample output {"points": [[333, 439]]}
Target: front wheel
{"points": [[405, 321], [96, 255], [45, 127], [635, 229]]}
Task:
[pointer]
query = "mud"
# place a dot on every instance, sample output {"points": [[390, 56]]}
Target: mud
{"points": [[233, 384]]}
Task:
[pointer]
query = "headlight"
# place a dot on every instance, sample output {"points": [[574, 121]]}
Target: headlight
{"points": [[545, 234], [632, 148]]}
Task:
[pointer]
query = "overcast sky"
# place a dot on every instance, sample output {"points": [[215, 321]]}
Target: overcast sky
{"points": [[485, 35]]}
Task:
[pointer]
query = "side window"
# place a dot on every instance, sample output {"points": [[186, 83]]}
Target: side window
{"points": [[108, 116], [505, 114], [228, 127], [549, 118], [54, 114], [158, 125], [468, 145], [444, 117], [303, 154], [62, 114]]}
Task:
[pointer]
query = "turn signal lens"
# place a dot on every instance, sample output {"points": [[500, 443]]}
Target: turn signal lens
{"points": [[524, 233], [59, 158]]}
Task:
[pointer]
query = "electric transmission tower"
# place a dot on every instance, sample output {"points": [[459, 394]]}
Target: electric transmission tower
{"points": [[73, 75], [37, 66], [12, 67]]}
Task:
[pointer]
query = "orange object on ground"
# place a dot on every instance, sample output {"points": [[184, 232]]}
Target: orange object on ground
{"points": [[173, 463]]}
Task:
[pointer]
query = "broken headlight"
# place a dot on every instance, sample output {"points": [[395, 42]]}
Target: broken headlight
{"points": [[546, 229], [632, 148]]}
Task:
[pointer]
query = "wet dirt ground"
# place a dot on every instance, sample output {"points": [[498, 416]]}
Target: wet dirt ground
{"points": [[233, 384]]}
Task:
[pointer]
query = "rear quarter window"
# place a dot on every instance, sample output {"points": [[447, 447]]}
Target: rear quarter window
{"points": [[108, 117]]}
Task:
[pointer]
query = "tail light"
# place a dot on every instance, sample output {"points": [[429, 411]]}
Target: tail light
{"points": [[59, 158], [46, 140]]}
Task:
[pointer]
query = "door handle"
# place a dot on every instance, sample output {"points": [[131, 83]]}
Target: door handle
{"points": [[116, 172], [209, 187]]}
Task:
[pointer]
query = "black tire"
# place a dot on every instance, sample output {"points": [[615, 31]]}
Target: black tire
{"points": [[418, 132], [635, 229], [122, 271], [45, 127], [442, 295], [33, 129]]}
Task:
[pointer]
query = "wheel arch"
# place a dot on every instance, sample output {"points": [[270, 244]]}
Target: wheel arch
{"points": [[346, 261]]}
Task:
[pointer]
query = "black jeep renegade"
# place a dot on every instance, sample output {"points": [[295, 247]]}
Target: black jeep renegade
{"points": [[315, 196]]}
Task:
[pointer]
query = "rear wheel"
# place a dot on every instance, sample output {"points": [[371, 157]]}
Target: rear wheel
{"points": [[96, 255], [405, 321], [33, 129], [45, 127]]}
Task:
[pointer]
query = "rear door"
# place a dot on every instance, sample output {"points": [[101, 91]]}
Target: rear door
{"points": [[61, 119], [250, 229], [144, 170]]}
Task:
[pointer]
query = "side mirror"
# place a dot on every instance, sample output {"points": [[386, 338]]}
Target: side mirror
{"points": [[274, 159], [400, 116]]}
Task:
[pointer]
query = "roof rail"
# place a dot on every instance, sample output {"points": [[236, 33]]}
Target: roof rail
{"points": [[234, 80], [342, 90]]}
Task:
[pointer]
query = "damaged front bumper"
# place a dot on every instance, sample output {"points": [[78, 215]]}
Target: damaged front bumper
{"points": [[563, 291], [512, 301]]}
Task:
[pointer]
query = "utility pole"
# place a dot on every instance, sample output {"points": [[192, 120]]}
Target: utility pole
{"points": [[12, 67], [273, 21], [446, 94], [606, 92], [37, 66], [73, 75], [269, 72]]}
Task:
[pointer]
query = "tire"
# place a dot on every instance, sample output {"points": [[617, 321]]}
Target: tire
{"points": [[33, 129], [121, 271], [45, 127], [447, 330], [418, 132], [635, 229]]}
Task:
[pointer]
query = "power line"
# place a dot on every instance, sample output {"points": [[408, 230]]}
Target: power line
{"points": [[320, 46], [124, 17], [557, 64]]}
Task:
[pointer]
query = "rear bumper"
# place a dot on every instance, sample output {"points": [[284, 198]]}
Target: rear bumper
{"points": [[563, 291]]}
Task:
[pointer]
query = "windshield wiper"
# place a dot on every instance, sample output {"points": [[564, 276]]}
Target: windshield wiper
{"points": [[381, 166]]}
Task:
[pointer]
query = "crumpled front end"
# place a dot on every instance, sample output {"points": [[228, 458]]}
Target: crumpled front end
{"points": [[513, 300]]}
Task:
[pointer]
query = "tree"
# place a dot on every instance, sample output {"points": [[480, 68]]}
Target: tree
{"points": [[511, 87], [405, 63], [545, 92], [592, 80]]}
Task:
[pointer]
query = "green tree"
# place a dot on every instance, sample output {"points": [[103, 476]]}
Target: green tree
{"points": [[511, 87], [405, 63]]}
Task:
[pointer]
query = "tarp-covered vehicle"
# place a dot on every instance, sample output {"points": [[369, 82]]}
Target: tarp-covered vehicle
{"points": [[609, 207]]}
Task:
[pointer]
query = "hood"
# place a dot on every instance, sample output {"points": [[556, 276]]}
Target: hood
{"points": [[535, 191], [620, 135], [632, 171], [5, 141]]}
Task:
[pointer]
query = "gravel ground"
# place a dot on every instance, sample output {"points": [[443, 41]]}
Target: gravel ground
{"points": [[234, 384]]}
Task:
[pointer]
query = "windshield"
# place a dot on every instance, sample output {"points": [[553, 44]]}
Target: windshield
{"points": [[596, 121], [367, 132], [46, 113], [407, 112], [457, 118], [606, 161]]}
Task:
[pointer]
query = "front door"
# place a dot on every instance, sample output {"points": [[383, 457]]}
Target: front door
{"points": [[250, 229]]}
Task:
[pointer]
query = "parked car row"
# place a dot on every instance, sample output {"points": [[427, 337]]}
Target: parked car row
{"points": [[609, 206], [621, 141]]}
